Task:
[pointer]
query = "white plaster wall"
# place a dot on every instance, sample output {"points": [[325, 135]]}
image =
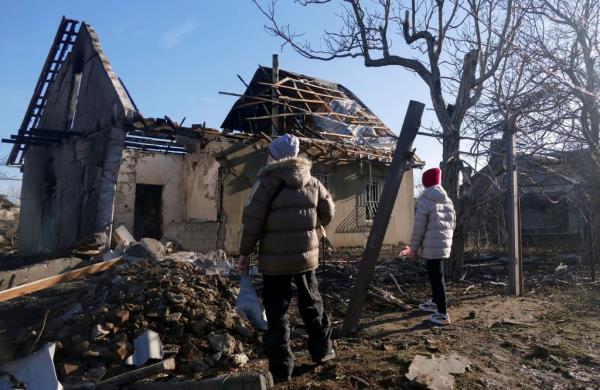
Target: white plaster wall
{"points": [[189, 199], [201, 176], [139, 167]]}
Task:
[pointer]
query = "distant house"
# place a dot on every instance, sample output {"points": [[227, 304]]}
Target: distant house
{"points": [[550, 205], [91, 161], [9, 221]]}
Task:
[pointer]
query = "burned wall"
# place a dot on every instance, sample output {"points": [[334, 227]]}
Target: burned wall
{"points": [[189, 195], [62, 183]]}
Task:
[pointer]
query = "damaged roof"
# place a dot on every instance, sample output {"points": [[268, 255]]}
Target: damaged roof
{"points": [[311, 106]]}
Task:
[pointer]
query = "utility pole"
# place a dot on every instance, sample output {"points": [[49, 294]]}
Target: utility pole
{"points": [[400, 164], [274, 105], [513, 218]]}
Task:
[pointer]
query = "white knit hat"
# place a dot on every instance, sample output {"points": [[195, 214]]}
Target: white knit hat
{"points": [[285, 146]]}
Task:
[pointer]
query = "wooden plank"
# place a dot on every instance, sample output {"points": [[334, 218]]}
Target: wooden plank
{"points": [[301, 90], [254, 118], [306, 82], [139, 373], [400, 164], [42, 284], [302, 96]]}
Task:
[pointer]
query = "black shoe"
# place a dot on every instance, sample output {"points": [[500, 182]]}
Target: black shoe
{"points": [[328, 356]]}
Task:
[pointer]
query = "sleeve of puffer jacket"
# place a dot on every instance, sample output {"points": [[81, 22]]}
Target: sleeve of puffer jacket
{"points": [[253, 218], [325, 205], [453, 213], [421, 216]]}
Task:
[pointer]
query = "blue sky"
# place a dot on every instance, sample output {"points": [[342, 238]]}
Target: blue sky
{"points": [[175, 56]]}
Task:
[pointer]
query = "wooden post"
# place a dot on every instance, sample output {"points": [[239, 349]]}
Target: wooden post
{"points": [[513, 219], [274, 96], [400, 163]]}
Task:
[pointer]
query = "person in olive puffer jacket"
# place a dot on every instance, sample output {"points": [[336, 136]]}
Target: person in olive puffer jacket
{"points": [[435, 221], [283, 212]]}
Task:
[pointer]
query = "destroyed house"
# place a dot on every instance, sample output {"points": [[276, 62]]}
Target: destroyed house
{"points": [[92, 162]]}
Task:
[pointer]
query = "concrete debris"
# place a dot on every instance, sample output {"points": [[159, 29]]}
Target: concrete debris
{"points": [[157, 310], [145, 347], [437, 372], [211, 263], [154, 247], [211, 267], [122, 236], [239, 359], [35, 371]]}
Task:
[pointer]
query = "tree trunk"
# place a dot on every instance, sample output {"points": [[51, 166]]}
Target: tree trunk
{"points": [[594, 230], [451, 167]]}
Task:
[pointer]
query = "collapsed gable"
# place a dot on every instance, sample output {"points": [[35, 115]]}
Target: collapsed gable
{"points": [[72, 151], [77, 91]]}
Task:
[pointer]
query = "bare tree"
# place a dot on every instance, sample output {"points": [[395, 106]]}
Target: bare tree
{"points": [[453, 46], [567, 40]]}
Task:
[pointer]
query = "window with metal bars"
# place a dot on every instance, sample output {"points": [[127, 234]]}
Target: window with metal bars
{"points": [[373, 190]]}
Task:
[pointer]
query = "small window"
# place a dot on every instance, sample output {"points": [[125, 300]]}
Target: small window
{"points": [[373, 190], [323, 178]]}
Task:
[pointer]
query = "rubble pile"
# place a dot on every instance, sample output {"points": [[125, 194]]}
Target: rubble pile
{"points": [[192, 312]]}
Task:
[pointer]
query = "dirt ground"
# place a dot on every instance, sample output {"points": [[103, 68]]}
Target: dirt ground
{"points": [[547, 339]]}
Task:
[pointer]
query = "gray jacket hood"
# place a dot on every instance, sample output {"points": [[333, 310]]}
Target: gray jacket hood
{"points": [[435, 194]]}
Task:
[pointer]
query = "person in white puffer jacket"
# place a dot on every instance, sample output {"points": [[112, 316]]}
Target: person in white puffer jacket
{"points": [[435, 220]]}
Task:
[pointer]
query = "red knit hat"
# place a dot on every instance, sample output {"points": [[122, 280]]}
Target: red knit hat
{"points": [[432, 177]]}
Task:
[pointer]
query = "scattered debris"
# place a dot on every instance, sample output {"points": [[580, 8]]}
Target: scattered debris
{"points": [[35, 371], [140, 373], [136, 307], [388, 297], [437, 372], [122, 236], [237, 381], [154, 247], [146, 346]]}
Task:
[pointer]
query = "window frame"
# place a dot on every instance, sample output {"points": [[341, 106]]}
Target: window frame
{"points": [[373, 189]]}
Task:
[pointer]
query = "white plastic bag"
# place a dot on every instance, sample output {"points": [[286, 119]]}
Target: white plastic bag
{"points": [[248, 304]]}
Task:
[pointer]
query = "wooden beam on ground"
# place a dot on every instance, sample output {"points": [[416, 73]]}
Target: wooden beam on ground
{"points": [[42, 284], [139, 373], [400, 164]]}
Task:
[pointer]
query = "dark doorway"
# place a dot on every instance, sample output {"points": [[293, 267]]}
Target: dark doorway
{"points": [[147, 220]]}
